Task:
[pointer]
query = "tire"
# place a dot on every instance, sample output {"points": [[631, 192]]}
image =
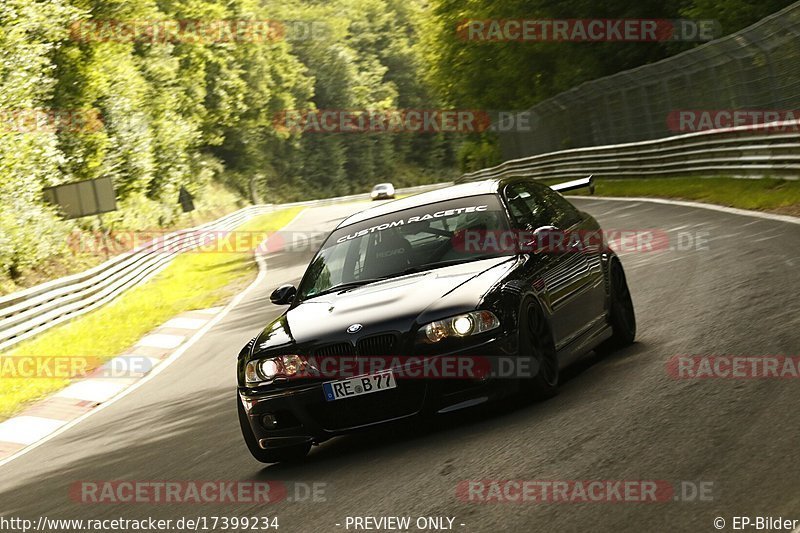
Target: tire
{"points": [[621, 314], [536, 339], [289, 454]]}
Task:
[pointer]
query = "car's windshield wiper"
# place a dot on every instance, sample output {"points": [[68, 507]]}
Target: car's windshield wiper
{"points": [[437, 264]]}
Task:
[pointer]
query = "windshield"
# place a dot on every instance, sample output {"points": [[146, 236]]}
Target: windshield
{"points": [[402, 242]]}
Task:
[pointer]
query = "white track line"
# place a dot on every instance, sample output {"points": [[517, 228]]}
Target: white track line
{"points": [[262, 273], [698, 205]]}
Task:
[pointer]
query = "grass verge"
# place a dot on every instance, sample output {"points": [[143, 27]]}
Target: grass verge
{"points": [[768, 194], [192, 281]]}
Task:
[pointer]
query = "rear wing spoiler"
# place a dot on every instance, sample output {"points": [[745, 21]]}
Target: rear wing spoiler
{"points": [[575, 184]]}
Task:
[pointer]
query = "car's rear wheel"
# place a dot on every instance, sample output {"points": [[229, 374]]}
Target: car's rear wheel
{"points": [[286, 454], [621, 313], [536, 341]]}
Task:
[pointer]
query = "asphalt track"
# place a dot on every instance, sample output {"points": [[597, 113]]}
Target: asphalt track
{"points": [[618, 418]]}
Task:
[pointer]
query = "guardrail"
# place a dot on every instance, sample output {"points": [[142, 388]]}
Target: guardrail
{"points": [[29, 312], [745, 151]]}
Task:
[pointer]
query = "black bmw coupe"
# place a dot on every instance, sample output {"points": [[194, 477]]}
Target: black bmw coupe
{"points": [[414, 307]]}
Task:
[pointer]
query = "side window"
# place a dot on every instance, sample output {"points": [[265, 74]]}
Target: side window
{"points": [[527, 206], [565, 214]]}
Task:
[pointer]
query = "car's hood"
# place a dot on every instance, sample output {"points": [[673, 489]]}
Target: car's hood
{"points": [[395, 304]]}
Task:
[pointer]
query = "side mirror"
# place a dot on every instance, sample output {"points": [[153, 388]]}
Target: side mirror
{"points": [[283, 295]]}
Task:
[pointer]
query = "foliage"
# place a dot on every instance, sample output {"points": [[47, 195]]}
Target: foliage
{"points": [[195, 114], [201, 113]]}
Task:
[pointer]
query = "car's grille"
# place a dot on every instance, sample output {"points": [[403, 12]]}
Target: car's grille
{"points": [[334, 350], [404, 400], [385, 344], [382, 344]]}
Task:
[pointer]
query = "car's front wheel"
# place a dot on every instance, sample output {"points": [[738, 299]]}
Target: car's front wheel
{"points": [[288, 454], [536, 341]]}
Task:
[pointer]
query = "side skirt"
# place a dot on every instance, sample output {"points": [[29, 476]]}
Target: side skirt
{"points": [[599, 331]]}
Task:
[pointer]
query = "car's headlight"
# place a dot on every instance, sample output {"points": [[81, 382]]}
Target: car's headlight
{"points": [[460, 326], [266, 370]]}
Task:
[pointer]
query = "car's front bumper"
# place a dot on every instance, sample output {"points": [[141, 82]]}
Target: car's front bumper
{"points": [[304, 415]]}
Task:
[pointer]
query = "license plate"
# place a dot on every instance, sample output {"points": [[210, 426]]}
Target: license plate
{"points": [[348, 388]]}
